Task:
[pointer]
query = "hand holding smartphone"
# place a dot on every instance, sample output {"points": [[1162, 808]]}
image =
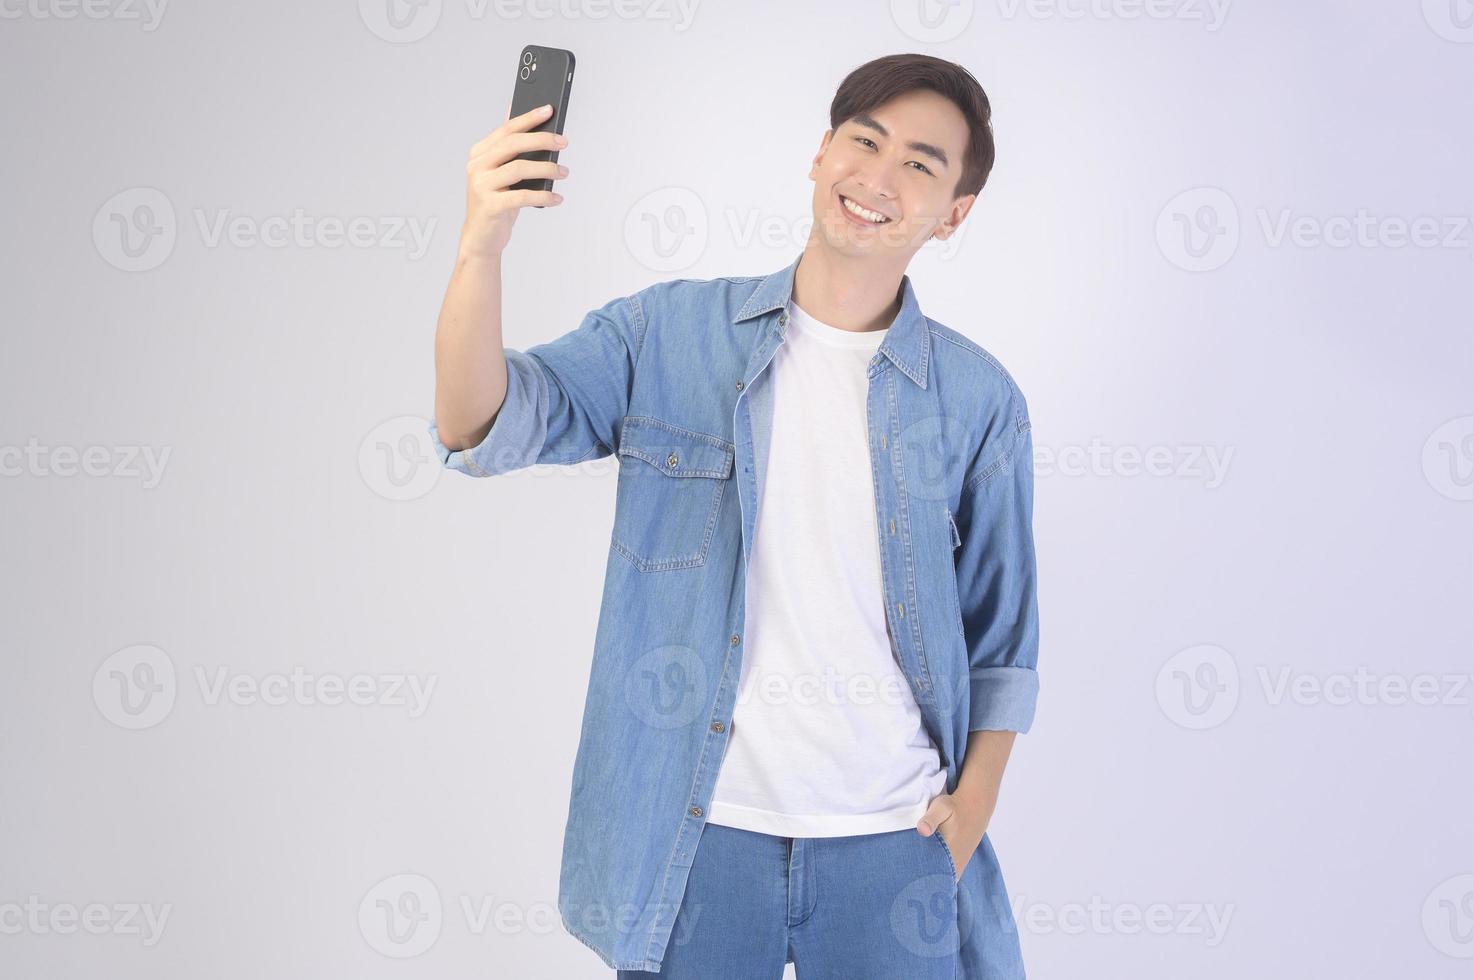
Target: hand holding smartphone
{"points": [[544, 77], [515, 165]]}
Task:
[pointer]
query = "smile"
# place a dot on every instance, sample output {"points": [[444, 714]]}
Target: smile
{"points": [[872, 217]]}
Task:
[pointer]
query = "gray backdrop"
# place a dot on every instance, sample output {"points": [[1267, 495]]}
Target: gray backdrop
{"points": [[282, 699]]}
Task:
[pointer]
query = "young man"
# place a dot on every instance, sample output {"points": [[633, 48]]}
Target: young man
{"points": [[819, 629]]}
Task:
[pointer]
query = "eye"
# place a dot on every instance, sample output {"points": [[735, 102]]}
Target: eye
{"points": [[871, 144]]}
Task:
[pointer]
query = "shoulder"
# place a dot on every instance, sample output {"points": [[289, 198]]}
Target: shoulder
{"points": [[734, 289], [966, 367], [685, 311]]}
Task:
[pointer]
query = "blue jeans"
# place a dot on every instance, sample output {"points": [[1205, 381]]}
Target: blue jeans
{"points": [[864, 907]]}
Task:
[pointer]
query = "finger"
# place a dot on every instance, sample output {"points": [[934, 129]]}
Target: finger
{"points": [[504, 176], [513, 145], [522, 199], [514, 124], [936, 814]]}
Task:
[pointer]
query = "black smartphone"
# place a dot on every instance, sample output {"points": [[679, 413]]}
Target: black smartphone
{"points": [[544, 77]]}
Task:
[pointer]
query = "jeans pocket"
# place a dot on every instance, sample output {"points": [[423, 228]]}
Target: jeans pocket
{"points": [[946, 849]]}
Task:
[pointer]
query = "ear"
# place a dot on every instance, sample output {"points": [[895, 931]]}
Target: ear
{"points": [[818, 157], [959, 210]]}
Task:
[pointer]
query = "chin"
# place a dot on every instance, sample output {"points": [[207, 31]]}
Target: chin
{"points": [[843, 238]]}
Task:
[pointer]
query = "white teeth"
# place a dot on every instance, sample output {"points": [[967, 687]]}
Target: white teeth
{"points": [[864, 213]]}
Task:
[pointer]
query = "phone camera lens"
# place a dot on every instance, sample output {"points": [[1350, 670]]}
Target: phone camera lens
{"points": [[526, 73], [526, 57]]}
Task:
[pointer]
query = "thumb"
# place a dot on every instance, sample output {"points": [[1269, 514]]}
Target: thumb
{"points": [[937, 812]]}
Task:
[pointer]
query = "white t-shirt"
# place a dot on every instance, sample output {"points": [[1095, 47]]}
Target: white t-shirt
{"points": [[826, 739]]}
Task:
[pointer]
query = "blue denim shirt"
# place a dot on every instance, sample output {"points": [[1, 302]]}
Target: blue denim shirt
{"points": [[673, 379]]}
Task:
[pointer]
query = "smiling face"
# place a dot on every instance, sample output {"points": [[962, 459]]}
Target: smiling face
{"points": [[883, 181]]}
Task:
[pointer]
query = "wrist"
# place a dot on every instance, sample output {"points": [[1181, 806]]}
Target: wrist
{"points": [[471, 251]]}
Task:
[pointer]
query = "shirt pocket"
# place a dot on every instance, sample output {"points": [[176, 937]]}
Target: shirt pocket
{"points": [[671, 482], [956, 606]]}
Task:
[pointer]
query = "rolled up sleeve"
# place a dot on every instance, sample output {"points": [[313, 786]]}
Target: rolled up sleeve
{"points": [[564, 398], [997, 580]]}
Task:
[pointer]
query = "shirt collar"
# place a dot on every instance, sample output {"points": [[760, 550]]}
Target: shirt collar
{"points": [[907, 343]]}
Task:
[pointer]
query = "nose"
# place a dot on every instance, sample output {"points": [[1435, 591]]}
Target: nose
{"points": [[877, 182]]}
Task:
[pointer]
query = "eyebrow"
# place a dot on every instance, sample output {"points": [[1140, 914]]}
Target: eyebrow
{"points": [[934, 152]]}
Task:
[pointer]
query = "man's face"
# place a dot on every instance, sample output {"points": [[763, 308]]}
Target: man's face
{"points": [[899, 162]]}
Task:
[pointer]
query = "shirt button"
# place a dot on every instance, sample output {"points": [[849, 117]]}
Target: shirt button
{"points": [[717, 726], [735, 639], [672, 459], [782, 320], [739, 386], [696, 811]]}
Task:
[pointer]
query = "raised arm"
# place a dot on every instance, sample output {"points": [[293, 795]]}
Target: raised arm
{"points": [[470, 368]]}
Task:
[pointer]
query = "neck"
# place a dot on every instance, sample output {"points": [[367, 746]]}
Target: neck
{"points": [[846, 293]]}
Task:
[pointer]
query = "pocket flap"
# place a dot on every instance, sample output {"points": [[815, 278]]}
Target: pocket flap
{"points": [[673, 450]]}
